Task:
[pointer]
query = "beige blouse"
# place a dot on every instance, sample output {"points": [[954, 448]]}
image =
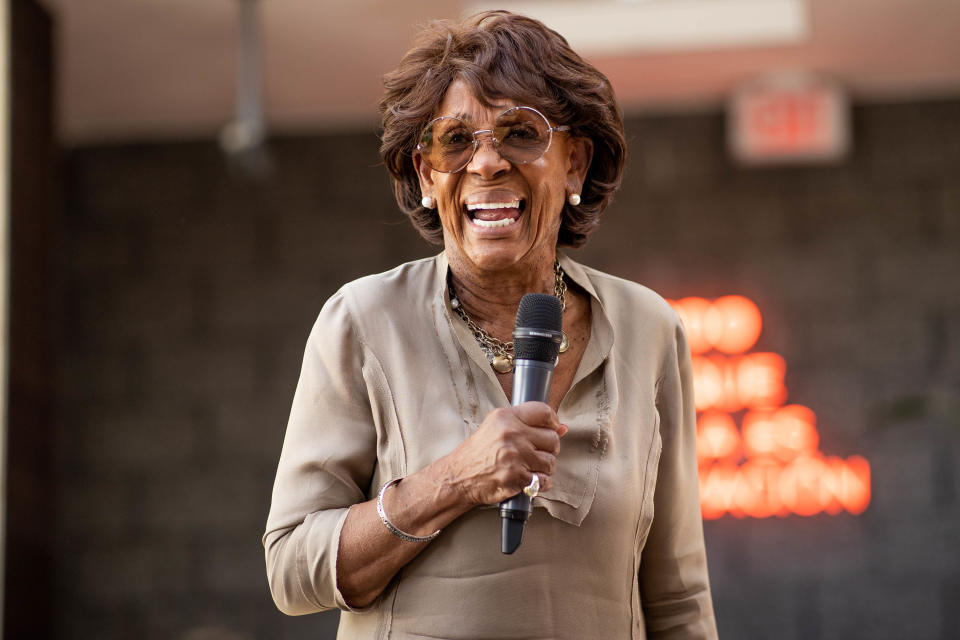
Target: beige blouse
{"points": [[392, 380]]}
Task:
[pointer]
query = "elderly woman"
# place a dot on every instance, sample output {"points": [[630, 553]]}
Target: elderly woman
{"points": [[504, 145]]}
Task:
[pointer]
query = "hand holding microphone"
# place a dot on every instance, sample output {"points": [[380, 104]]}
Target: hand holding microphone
{"points": [[514, 444], [536, 345], [497, 461]]}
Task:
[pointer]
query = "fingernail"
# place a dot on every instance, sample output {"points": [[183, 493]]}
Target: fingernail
{"points": [[562, 431]]}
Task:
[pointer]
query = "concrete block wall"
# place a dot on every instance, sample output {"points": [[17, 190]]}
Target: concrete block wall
{"points": [[191, 290]]}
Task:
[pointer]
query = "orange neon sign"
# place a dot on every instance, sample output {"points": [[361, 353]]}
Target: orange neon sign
{"points": [[771, 464]]}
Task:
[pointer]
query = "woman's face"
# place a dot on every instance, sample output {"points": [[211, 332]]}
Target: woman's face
{"points": [[495, 214]]}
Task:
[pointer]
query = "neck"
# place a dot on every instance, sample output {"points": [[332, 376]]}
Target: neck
{"points": [[491, 297]]}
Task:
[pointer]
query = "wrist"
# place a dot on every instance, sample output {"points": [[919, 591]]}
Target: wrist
{"points": [[452, 491], [423, 503], [391, 527]]}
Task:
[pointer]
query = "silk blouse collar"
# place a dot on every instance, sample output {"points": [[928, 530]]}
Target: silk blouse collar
{"points": [[601, 329], [589, 407]]}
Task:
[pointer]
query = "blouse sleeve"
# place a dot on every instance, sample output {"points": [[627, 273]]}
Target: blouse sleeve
{"points": [[325, 466], [675, 589]]}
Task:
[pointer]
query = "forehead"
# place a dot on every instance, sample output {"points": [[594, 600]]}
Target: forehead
{"points": [[460, 101]]}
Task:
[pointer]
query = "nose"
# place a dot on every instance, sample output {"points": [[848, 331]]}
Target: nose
{"points": [[486, 161]]}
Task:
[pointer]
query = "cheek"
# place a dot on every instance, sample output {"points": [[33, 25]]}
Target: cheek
{"points": [[552, 196], [451, 223], [448, 207], [451, 220]]}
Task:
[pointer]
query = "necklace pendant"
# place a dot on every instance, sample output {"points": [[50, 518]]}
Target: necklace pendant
{"points": [[502, 364], [564, 342]]}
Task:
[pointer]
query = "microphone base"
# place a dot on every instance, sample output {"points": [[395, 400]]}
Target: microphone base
{"points": [[513, 516], [511, 535]]}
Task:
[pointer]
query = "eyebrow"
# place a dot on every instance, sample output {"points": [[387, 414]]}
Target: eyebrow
{"points": [[467, 118]]}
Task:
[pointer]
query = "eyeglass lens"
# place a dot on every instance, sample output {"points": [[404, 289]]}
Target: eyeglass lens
{"points": [[520, 135]]}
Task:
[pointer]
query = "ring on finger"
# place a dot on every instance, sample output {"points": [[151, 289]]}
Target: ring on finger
{"points": [[533, 488]]}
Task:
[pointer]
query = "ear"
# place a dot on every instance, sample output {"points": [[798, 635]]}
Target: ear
{"points": [[424, 173], [580, 153]]}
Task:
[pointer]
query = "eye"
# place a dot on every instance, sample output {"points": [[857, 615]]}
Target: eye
{"points": [[522, 131], [456, 138]]}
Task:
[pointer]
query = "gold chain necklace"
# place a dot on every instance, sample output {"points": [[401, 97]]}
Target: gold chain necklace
{"points": [[499, 353]]}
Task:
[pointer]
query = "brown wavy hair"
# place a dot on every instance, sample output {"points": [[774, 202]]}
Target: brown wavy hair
{"points": [[502, 55]]}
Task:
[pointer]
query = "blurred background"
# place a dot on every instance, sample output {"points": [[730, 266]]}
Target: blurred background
{"points": [[186, 182]]}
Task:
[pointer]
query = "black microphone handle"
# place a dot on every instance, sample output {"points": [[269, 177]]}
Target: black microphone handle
{"points": [[531, 381]]}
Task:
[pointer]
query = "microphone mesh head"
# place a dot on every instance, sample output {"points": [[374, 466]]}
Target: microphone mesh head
{"points": [[538, 311]]}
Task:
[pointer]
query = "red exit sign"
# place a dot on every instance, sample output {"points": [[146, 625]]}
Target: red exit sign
{"points": [[788, 119]]}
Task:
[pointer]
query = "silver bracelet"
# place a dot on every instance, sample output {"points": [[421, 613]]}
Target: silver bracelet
{"points": [[390, 526]]}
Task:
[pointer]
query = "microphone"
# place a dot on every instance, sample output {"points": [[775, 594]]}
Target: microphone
{"points": [[536, 345]]}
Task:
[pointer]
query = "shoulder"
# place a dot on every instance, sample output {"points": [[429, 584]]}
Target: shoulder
{"points": [[408, 283], [383, 306], [626, 301]]}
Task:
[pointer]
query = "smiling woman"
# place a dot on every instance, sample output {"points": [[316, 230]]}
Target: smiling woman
{"points": [[500, 203], [503, 145], [509, 65]]}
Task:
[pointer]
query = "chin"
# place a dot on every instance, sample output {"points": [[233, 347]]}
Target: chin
{"points": [[497, 241], [505, 255], [499, 261]]}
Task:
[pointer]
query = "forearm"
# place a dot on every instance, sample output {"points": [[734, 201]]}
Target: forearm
{"points": [[370, 555], [490, 466]]}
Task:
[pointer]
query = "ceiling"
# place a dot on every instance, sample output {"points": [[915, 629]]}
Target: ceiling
{"points": [[145, 69]]}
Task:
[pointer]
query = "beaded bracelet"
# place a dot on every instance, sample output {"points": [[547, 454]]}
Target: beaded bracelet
{"points": [[391, 527]]}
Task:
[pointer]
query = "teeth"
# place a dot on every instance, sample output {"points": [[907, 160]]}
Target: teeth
{"points": [[494, 205], [493, 223]]}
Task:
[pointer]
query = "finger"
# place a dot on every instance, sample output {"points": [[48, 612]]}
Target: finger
{"points": [[543, 439], [537, 414], [541, 462], [562, 431], [546, 482]]}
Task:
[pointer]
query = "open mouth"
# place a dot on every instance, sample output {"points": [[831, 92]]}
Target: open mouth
{"points": [[492, 215]]}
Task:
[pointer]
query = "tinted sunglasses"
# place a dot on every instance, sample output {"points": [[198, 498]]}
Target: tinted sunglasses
{"points": [[520, 135]]}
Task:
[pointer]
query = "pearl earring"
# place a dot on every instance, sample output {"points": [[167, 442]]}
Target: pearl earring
{"points": [[428, 202], [574, 199]]}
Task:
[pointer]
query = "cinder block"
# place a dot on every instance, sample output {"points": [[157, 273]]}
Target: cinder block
{"points": [[93, 507], [202, 618], [102, 250], [211, 500], [235, 569], [740, 614], [804, 549], [946, 214], [922, 275], [323, 240], [114, 182], [151, 436], [100, 376], [918, 547], [210, 371], [133, 572], [313, 627], [892, 337], [250, 429], [901, 472], [265, 306], [914, 140], [884, 606], [108, 621], [177, 250], [131, 311]]}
